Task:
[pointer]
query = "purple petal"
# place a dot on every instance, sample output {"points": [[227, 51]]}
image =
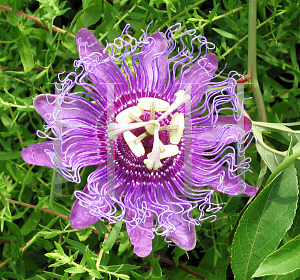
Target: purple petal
{"points": [[91, 52], [214, 135], [75, 110], [200, 74], [80, 216], [35, 154], [185, 234], [230, 186], [140, 237], [155, 61]]}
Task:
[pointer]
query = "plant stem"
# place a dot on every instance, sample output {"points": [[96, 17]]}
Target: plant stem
{"points": [[181, 13], [54, 28], [246, 36], [252, 58], [221, 16]]}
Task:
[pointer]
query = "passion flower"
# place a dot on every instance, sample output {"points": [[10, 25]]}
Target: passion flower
{"points": [[149, 117]]}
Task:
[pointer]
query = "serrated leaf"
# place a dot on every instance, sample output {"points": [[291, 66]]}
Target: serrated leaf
{"points": [[290, 276], [284, 260], [264, 224]]}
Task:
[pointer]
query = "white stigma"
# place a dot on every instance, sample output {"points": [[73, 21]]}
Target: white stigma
{"points": [[181, 98], [153, 162], [159, 151]]}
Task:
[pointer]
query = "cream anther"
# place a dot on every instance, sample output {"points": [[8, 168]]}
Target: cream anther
{"points": [[153, 162], [134, 117], [125, 116], [176, 134], [136, 148], [152, 108], [181, 98], [168, 127], [114, 129], [160, 105]]}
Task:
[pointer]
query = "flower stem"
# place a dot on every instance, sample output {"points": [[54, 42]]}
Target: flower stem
{"points": [[252, 67]]}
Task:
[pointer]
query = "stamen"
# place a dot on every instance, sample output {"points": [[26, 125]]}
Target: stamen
{"points": [[170, 151], [176, 134], [153, 161], [152, 108], [168, 127], [181, 98], [134, 117], [145, 103], [125, 115], [141, 137], [114, 129], [136, 148]]}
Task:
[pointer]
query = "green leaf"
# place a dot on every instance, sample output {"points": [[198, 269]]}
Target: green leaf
{"points": [[213, 12], [25, 52], [284, 260], [225, 34], [121, 268], [78, 246], [150, 9], [13, 18], [15, 230], [264, 224], [31, 222], [290, 276], [74, 270], [110, 241], [95, 273], [138, 276], [9, 155], [100, 227], [12, 275], [91, 15]]}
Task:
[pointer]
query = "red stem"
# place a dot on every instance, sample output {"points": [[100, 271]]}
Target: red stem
{"points": [[66, 218], [35, 69], [54, 28]]}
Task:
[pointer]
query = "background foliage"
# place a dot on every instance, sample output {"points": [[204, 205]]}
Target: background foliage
{"points": [[258, 239]]}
